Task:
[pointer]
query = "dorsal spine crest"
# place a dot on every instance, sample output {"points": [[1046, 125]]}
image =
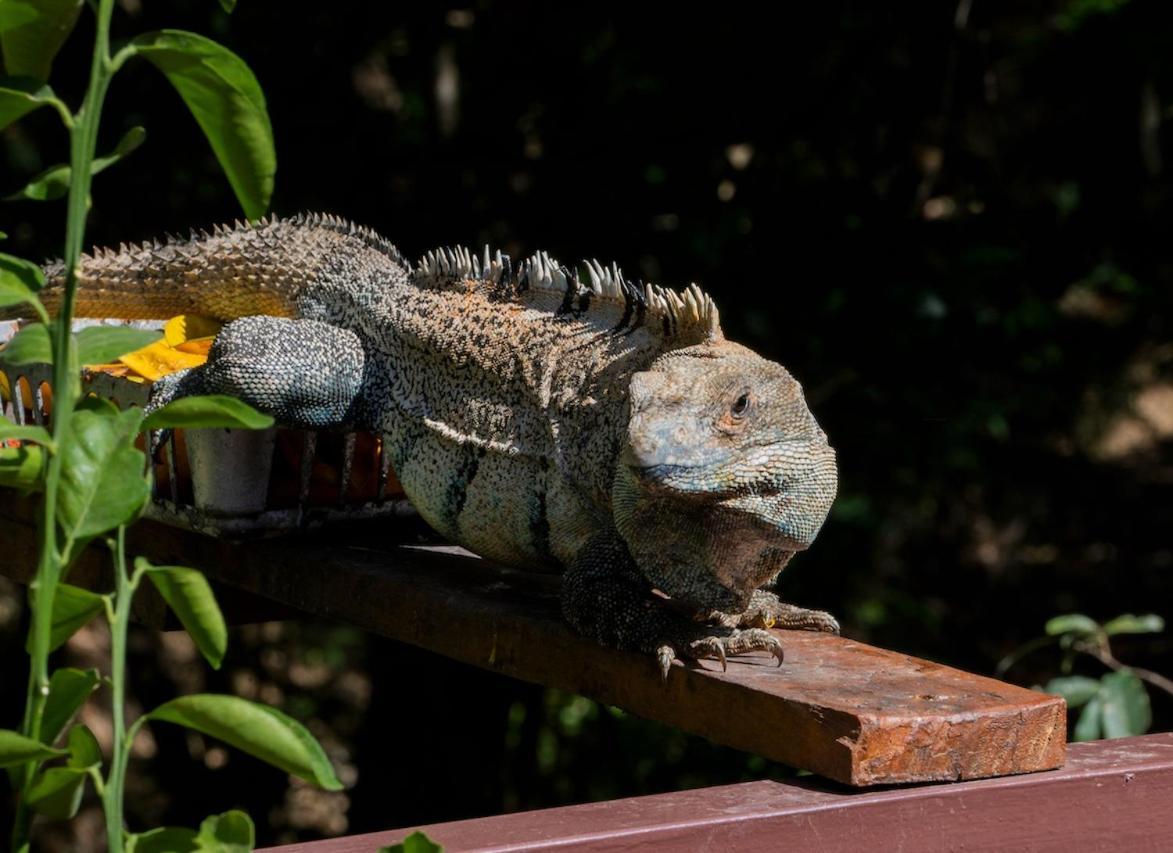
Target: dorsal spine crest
{"points": [[690, 312]]}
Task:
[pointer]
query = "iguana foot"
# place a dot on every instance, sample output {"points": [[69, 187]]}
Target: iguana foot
{"points": [[767, 611], [605, 597], [717, 646], [305, 373]]}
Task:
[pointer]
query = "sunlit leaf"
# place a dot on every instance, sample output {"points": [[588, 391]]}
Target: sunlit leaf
{"points": [[231, 832], [29, 432], [16, 14], [417, 842], [21, 95], [102, 344], [102, 480], [257, 729], [68, 690], [1087, 727], [57, 792], [53, 183], [19, 282], [227, 102], [50, 184], [23, 467], [1126, 710], [30, 45], [214, 410], [188, 593], [165, 839], [1076, 689], [73, 607], [15, 749], [31, 345], [1071, 623], [1150, 623], [84, 751]]}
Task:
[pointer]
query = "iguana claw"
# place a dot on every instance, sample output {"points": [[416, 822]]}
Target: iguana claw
{"points": [[665, 654], [716, 647]]}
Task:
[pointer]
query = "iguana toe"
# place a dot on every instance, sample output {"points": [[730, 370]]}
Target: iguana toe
{"points": [[719, 647], [766, 611]]}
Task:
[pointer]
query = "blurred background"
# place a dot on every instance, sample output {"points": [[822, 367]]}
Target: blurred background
{"points": [[951, 221]]}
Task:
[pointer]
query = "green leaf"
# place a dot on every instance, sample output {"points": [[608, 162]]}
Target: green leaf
{"points": [[1072, 623], [231, 832], [48, 185], [130, 140], [23, 467], [57, 792], [417, 842], [40, 435], [16, 14], [103, 344], [257, 729], [73, 607], [165, 839], [53, 183], [15, 749], [228, 6], [1150, 623], [84, 751], [1088, 725], [1076, 689], [30, 45], [68, 690], [188, 593], [1126, 710], [228, 104], [29, 274], [213, 410], [19, 282], [21, 95], [102, 481], [30, 345]]}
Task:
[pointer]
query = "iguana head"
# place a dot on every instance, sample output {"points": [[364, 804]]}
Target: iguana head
{"points": [[724, 474]]}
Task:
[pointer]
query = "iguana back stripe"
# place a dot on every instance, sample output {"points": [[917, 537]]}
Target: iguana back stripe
{"points": [[265, 267]]}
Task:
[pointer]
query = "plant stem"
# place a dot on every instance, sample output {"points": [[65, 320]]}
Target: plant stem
{"points": [[112, 799], [1102, 652], [51, 563]]}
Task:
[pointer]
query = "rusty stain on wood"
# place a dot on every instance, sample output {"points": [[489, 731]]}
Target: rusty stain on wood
{"points": [[848, 711], [1111, 795]]}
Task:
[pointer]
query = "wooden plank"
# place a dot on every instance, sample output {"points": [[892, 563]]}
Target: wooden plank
{"points": [[1111, 795], [848, 711]]}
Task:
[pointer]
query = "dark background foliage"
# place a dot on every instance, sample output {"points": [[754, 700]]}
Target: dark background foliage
{"points": [[948, 220]]}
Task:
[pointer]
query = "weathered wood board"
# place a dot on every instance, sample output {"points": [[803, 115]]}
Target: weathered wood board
{"points": [[848, 711]]}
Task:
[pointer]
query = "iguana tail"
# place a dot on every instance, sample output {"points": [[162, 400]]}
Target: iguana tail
{"points": [[231, 272]]}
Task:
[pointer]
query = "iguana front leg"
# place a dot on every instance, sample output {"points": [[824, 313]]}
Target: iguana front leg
{"points": [[302, 372], [767, 611], [604, 596]]}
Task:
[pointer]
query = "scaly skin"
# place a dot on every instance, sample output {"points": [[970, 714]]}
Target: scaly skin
{"points": [[600, 428]]}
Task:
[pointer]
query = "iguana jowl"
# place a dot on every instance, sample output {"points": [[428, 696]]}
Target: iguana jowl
{"points": [[592, 426]]}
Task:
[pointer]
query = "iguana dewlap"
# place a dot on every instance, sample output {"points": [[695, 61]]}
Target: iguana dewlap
{"points": [[591, 426]]}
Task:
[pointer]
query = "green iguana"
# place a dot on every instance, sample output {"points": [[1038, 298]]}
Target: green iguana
{"points": [[598, 427]]}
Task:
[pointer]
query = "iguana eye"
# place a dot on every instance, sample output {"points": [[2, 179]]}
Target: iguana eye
{"points": [[740, 406]]}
